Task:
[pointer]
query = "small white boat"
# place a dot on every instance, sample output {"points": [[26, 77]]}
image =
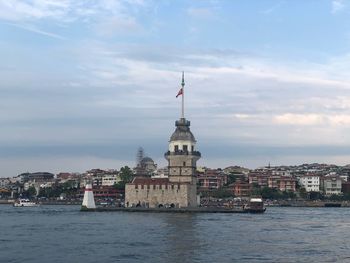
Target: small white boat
{"points": [[25, 203]]}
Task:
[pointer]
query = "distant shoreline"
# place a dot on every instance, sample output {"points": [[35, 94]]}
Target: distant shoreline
{"points": [[320, 204]]}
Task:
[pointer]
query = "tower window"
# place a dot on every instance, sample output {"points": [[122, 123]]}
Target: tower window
{"points": [[192, 148], [184, 147], [176, 148], [184, 163]]}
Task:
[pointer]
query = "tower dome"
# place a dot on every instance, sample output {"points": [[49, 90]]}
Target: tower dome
{"points": [[182, 131]]}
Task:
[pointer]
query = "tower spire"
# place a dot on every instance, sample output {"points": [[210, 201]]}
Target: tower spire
{"points": [[183, 95]]}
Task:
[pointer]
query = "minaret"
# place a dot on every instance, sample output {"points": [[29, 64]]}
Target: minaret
{"points": [[88, 201], [182, 155]]}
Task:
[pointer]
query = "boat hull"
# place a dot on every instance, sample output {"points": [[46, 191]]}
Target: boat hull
{"points": [[256, 206], [255, 211], [25, 203]]}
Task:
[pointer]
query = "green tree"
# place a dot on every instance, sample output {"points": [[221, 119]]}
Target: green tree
{"points": [[31, 192], [256, 190], [232, 177], [335, 197], [222, 193], [302, 192], [316, 196], [126, 176], [270, 193]]}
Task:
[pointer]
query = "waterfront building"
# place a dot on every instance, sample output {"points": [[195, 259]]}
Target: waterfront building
{"points": [[282, 183], [101, 177], [110, 179], [63, 176], [281, 172], [345, 187], [331, 185], [4, 182], [102, 192], [180, 188], [287, 183], [259, 178], [310, 182], [4, 192], [36, 177], [242, 189], [211, 179]]}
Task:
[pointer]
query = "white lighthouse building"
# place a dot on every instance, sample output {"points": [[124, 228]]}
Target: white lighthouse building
{"points": [[88, 201]]}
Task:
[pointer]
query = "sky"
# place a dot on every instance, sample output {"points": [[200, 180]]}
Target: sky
{"points": [[83, 84]]}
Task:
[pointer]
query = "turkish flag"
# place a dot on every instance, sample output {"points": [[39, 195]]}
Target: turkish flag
{"points": [[179, 93]]}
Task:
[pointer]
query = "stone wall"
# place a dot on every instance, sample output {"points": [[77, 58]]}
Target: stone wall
{"points": [[180, 195]]}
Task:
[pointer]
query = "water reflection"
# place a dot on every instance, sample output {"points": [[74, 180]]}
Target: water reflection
{"points": [[182, 243]]}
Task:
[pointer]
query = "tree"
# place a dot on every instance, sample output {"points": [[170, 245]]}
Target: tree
{"points": [[126, 175], [303, 193], [31, 192], [270, 193], [232, 177], [335, 197], [222, 193], [315, 196]]}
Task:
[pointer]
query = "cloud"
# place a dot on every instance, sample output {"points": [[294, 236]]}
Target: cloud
{"points": [[337, 6], [65, 10], [34, 29], [102, 94], [299, 119], [19, 10]]}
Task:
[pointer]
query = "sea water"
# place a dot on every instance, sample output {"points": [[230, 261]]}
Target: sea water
{"points": [[64, 234]]}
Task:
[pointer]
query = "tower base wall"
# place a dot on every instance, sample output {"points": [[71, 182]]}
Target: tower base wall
{"points": [[178, 195]]}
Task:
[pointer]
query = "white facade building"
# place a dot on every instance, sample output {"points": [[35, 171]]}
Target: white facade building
{"points": [[332, 185], [311, 183], [110, 180]]}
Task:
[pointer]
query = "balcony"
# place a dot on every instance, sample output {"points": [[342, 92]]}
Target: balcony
{"points": [[194, 153]]}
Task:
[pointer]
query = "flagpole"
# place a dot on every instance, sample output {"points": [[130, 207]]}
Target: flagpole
{"points": [[183, 96]]}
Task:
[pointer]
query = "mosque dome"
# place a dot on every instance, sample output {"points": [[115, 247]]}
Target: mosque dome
{"points": [[146, 160]]}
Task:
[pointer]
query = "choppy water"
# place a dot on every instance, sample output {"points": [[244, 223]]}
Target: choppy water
{"points": [[63, 234]]}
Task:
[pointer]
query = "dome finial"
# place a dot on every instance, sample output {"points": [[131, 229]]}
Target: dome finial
{"points": [[183, 79]]}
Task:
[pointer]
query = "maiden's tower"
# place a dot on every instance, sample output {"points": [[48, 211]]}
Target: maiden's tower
{"points": [[180, 188]]}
